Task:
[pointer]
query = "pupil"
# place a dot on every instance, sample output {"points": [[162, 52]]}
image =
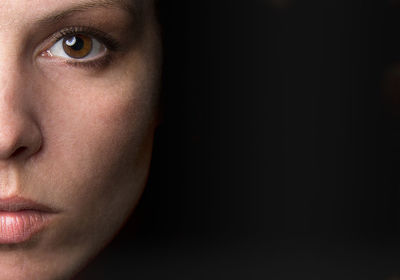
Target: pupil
{"points": [[75, 43]]}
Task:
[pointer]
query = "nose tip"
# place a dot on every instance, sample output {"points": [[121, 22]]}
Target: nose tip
{"points": [[19, 137]]}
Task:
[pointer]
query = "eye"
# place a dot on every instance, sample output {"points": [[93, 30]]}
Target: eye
{"points": [[77, 47]]}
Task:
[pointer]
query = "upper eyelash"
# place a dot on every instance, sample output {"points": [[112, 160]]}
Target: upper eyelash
{"points": [[103, 37]]}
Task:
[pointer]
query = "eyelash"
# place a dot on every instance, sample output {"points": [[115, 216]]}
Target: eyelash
{"points": [[109, 42]]}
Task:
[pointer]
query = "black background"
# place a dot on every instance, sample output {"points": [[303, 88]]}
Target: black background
{"points": [[279, 153]]}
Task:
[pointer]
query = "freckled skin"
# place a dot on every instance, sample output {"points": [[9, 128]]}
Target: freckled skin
{"points": [[86, 133]]}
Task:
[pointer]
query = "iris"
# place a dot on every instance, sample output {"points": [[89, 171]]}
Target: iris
{"points": [[77, 46]]}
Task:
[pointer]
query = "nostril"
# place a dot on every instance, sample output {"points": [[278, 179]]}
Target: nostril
{"points": [[19, 138], [19, 151]]}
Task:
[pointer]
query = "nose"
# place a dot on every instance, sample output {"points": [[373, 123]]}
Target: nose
{"points": [[20, 135]]}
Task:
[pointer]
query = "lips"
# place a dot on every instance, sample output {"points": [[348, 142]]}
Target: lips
{"points": [[21, 219]]}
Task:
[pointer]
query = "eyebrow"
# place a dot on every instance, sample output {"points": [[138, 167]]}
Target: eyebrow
{"points": [[57, 16]]}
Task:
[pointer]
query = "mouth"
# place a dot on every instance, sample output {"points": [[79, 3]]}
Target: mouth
{"points": [[21, 219]]}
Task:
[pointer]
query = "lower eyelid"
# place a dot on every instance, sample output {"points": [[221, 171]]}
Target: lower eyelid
{"points": [[94, 63]]}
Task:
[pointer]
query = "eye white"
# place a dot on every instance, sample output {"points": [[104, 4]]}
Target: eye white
{"points": [[58, 50]]}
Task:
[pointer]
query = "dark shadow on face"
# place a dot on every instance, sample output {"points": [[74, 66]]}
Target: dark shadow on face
{"points": [[279, 153]]}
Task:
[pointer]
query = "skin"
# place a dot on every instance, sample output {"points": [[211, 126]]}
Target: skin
{"points": [[75, 138]]}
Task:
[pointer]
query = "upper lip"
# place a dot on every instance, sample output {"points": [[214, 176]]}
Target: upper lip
{"points": [[15, 204]]}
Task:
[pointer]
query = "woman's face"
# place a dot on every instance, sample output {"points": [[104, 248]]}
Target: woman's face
{"points": [[78, 109]]}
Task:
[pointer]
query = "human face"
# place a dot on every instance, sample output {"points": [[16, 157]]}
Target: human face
{"points": [[78, 109]]}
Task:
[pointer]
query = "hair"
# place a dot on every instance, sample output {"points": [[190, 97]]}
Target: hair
{"points": [[157, 6]]}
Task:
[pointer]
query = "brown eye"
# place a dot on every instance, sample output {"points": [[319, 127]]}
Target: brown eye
{"points": [[77, 46]]}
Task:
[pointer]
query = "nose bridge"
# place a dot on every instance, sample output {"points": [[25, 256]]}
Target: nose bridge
{"points": [[18, 130], [11, 69]]}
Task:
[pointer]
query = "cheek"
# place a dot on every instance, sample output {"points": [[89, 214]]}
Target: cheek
{"points": [[98, 140], [106, 115]]}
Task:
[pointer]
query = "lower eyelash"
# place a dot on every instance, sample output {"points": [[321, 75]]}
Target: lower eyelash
{"points": [[95, 63]]}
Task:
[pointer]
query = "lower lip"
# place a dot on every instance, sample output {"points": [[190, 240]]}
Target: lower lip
{"points": [[18, 227]]}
